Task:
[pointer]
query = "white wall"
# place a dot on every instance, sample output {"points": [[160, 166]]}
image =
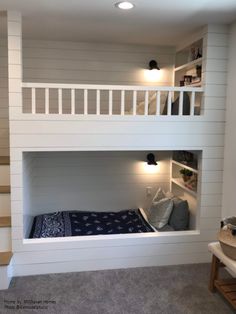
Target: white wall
{"points": [[27, 193], [4, 115], [229, 195], [88, 63]]}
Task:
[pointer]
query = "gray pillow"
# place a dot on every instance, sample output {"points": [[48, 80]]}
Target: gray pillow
{"points": [[159, 213], [166, 228], [179, 218], [175, 106]]}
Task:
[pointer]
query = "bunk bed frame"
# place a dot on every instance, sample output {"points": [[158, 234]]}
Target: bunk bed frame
{"points": [[45, 132]]}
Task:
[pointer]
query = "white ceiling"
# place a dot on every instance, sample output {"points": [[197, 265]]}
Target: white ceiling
{"points": [[150, 22]]}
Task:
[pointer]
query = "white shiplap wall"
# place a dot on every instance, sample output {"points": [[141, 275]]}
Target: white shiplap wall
{"points": [[92, 63], [28, 177], [4, 113], [63, 133], [214, 75], [229, 196]]}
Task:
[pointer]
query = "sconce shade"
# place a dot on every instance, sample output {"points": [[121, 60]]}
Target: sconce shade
{"points": [[153, 65], [151, 160]]}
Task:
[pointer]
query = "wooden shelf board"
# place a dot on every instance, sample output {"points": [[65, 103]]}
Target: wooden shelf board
{"points": [[5, 189], [184, 166], [227, 288], [181, 184], [5, 222], [197, 84], [5, 258], [4, 160], [189, 65]]}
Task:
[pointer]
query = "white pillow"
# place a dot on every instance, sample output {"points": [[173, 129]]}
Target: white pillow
{"points": [[141, 105], [159, 213], [160, 194]]}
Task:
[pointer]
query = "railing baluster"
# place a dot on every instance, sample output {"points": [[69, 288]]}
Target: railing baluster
{"points": [[33, 101], [73, 101], [98, 102], [192, 104], [85, 101], [155, 93], [181, 98], [158, 103], [110, 102], [134, 102], [122, 109], [169, 104], [59, 100], [46, 100], [146, 103]]}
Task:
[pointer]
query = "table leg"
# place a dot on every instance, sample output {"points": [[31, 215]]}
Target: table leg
{"points": [[215, 264]]}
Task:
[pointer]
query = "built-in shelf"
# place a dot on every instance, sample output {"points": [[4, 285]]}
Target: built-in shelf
{"points": [[184, 166], [189, 65], [180, 183]]}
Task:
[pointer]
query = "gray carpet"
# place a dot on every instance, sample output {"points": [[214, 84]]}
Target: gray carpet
{"points": [[154, 290]]}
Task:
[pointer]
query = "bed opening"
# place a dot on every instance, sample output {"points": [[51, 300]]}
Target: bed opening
{"points": [[75, 194]]}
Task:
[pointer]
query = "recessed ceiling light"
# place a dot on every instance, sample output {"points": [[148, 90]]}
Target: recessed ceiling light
{"points": [[124, 5]]}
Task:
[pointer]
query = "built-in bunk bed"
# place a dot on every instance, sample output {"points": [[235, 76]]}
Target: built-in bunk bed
{"points": [[166, 213], [49, 118]]}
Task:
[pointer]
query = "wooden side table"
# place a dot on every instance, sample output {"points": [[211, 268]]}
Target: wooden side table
{"points": [[227, 287]]}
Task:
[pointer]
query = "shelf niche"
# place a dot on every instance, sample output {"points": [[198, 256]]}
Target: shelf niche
{"points": [[184, 189], [186, 62]]}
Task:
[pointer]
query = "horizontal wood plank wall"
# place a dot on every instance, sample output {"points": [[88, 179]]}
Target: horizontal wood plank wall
{"points": [[214, 73], [4, 111], [229, 197], [27, 180], [90, 63], [94, 63], [97, 181], [65, 133]]}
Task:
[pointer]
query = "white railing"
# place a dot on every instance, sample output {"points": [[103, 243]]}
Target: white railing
{"points": [[47, 98]]}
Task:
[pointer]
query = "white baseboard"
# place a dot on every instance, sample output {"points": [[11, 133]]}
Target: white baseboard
{"points": [[103, 264]]}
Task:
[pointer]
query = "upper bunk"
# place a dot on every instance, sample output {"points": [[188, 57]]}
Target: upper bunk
{"points": [[171, 87], [81, 96]]}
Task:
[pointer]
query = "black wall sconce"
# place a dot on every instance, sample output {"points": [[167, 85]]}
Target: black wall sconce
{"points": [[151, 160], [153, 65]]}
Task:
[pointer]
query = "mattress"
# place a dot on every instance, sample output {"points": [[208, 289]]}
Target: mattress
{"points": [[84, 223]]}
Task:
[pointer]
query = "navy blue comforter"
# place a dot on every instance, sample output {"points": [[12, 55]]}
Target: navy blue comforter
{"points": [[78, 223]]}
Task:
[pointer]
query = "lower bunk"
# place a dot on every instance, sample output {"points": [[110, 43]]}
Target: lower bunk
{"points": [[165, 214]]}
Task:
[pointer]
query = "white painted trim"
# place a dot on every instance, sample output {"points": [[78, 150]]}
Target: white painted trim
{"points": [[111, 87], [117, 263]]}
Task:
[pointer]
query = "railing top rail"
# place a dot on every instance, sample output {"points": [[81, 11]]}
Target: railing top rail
{"points": [[112, 87]]}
